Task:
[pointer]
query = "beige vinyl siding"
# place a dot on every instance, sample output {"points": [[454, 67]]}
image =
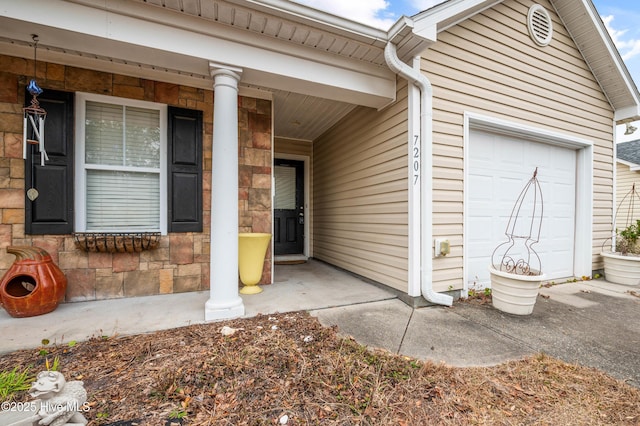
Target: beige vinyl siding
{"points": [[489, 65], [361, 194], [292, 146], [625, 178]]}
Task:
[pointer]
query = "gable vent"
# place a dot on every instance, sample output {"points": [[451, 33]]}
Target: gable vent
{"points": [[540, 25]]}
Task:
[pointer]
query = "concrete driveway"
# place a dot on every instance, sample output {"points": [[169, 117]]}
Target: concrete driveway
{"points": [[592, 323]]}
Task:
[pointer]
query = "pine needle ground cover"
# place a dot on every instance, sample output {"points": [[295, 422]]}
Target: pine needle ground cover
{"points": [[289, 369]]}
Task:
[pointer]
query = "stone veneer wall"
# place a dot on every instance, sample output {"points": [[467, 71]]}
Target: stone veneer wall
{"points": [[182, 261]]}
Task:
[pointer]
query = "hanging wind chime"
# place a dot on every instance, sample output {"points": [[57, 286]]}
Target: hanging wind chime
{"points": [[34, 118]]}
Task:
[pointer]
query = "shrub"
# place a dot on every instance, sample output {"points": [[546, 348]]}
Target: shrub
{"points": [[627, 239]]}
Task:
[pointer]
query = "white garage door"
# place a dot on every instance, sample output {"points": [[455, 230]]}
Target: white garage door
{"points": [[499, 168]]}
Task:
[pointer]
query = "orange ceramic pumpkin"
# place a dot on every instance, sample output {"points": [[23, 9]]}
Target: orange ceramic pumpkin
{"points": [[33, 285]]}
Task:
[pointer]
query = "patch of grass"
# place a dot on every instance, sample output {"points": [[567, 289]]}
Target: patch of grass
{"points": [[177, 413], [102, 415], [14, 381], [52, 366], [43, 349], [477, 296]]}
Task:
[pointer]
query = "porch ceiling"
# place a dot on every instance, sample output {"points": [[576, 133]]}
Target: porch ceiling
{"points": [[305, 117]]}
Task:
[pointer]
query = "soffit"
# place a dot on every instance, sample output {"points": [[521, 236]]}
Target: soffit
{"points": [[265, 24], [297, 24], [321, 31], [330, 50], [304, 117], [581, 19]]}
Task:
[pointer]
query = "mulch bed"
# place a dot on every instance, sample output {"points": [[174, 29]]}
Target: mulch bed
{"points": [[289, 369]]}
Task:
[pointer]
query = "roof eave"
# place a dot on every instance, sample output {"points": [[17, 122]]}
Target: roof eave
{"points": [[633, 167], [616, 77], [626, 114], [450, 13], [427, 24], [410, 42], [319, 19], [414, 35]]}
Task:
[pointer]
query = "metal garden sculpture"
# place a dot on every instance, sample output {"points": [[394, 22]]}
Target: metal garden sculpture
{"points": [[517, 255]]}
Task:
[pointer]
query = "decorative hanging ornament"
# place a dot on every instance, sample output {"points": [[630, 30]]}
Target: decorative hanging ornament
{"points": [[34, 114]]}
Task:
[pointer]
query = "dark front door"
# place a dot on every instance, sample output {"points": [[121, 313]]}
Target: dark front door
{"points": [[289, 207]]}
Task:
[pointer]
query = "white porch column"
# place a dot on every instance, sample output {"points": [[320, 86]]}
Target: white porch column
{"points": [[224, 300]]}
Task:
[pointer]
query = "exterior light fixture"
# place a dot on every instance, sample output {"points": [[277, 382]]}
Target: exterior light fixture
{"points": [[34, 114], [630, 129]]}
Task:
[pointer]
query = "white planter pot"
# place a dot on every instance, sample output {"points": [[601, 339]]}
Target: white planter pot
{"points": [[514, 294], [621, 269]]}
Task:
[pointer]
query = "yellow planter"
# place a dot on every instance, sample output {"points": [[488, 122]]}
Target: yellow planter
{"points": [[252, 249]]}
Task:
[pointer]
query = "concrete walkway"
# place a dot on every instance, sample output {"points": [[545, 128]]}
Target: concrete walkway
{"points": [[314, 285], [593, 323]]}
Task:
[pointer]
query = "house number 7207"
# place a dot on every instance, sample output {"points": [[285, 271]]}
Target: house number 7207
{"points": [[416, 159]]}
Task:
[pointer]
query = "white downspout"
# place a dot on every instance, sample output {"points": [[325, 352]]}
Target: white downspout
{"points": [[426, 176]]}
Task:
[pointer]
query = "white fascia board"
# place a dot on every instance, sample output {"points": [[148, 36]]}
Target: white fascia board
{"points": [[426, 25], [345, 91], [60, 14], [448, 14], [622, 114], [426, 30], [627, 114], [201, 81], [65, 47], [633, 167], [317, 18], [374, 86], [400, 29]]}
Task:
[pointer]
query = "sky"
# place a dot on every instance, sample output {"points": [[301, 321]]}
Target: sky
{"points": [[619, 16]]}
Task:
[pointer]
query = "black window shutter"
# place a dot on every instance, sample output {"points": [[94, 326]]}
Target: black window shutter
{"points": [[52, 211], [185, 170]]}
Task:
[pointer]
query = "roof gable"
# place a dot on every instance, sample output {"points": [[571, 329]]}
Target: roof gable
{"points": [[586, 28], [592, 38]]}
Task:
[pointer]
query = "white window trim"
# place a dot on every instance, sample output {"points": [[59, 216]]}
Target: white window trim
{"points": [[307, 196], [80, 178]]}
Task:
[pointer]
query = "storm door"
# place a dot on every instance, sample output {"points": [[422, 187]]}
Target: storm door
{"points": [[289, 207]]}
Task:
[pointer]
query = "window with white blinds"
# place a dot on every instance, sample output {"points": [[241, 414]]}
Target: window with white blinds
{"points": [[121, 168], [119, 200], [285, 180]]}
